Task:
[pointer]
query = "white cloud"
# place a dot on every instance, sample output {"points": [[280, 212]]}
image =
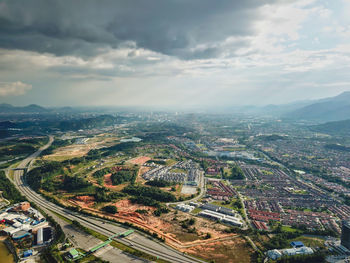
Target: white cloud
{"points": [[294, 46], [14, 88]]}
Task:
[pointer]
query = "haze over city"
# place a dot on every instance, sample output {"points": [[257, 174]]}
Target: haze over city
{"points": [[173, 53], [175, 131]]}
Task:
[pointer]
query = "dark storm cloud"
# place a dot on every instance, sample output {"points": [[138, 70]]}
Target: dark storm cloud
{"points": [[188, 29]]}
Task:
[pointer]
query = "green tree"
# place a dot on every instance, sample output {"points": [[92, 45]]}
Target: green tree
{"points": [[110, 209]]}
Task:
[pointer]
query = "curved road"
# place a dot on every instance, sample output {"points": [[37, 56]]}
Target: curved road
{"points": [[104, 227], [203, 189]]}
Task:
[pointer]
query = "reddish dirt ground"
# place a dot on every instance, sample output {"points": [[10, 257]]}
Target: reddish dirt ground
{"points": [[125, 206], [142, 170], [108, 183], [234, 250], [108, 180], [139, 160], [83, 201], [166, 227], [85, 198]]}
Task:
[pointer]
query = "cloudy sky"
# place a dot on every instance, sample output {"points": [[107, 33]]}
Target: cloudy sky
{"points": [[172, 52]]}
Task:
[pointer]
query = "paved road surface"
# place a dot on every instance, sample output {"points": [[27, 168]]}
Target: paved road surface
{"points": [[202, 186], [82, 240]]}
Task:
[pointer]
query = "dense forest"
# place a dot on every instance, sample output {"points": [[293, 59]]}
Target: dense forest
{"points": [[12, 148], [117, 177], [160, 183], [124, 176], [125, 147], [88, 123], [36, 178], [44, 177], [53, 123], [148, 195], [9, 191], [333, 127], [104, 195]]}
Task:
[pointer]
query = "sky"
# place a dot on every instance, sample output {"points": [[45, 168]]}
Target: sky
{"points": [[172, 53]]}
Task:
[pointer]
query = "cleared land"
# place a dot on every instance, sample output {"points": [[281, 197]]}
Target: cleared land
{"points": [[139, 160], [234, 250]]}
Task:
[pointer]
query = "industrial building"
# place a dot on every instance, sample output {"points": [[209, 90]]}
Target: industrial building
{"points": [[277, 253], [297, 244], [220, 209], [231, 220], [211, 215], [185, 208], [20, 234], [345, 234], [40, 236], [297, 251], [73, 253], [27, 253], [21, 221], [274, 254]]}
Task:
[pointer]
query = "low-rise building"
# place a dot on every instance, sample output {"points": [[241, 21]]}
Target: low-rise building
{"points": [[277, 253], [185, 208]]}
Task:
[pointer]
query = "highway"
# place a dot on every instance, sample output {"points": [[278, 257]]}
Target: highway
{"points": [[138, 241]]}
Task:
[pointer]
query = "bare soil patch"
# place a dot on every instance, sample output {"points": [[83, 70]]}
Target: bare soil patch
{"points": [[108, 183], [235, 250], [141, 171], [139, 160], [202, 226], [84, 201]]}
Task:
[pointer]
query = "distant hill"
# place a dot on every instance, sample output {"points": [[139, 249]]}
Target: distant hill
{"points": [[284, 108], [334, 127], [32, 108], [329, 109], [89, 123], [6, 108], [9, 128], [337, 147]]}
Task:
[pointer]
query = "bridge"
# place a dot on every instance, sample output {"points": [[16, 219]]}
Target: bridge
{"points": [[77, 255]]}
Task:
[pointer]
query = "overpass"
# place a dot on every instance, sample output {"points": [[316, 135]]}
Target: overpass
{"points": [[139, 241]]}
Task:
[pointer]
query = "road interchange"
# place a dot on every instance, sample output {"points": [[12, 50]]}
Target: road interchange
{"points": [[139, 241]]}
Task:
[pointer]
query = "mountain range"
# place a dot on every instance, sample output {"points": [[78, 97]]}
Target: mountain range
{"points": [[6, 108], [324, 110], [333, 127], [33, 108]]}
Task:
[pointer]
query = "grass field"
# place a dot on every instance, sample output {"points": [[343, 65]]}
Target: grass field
{"points": [[230, 251], [309, 241], [220, 203], [288, 229], [196, 210], [178, 170], [170, 162], [218, 176]]}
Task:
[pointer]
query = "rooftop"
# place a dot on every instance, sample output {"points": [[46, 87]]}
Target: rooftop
{"points": [[73, 252], [297, 244]]}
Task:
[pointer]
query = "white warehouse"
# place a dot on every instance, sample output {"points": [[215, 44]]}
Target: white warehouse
{"points": [[185, 208], [221, 217]]}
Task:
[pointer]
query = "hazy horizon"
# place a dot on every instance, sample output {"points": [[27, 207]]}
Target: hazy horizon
{"points": [[173, 53], [173, 107]]}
